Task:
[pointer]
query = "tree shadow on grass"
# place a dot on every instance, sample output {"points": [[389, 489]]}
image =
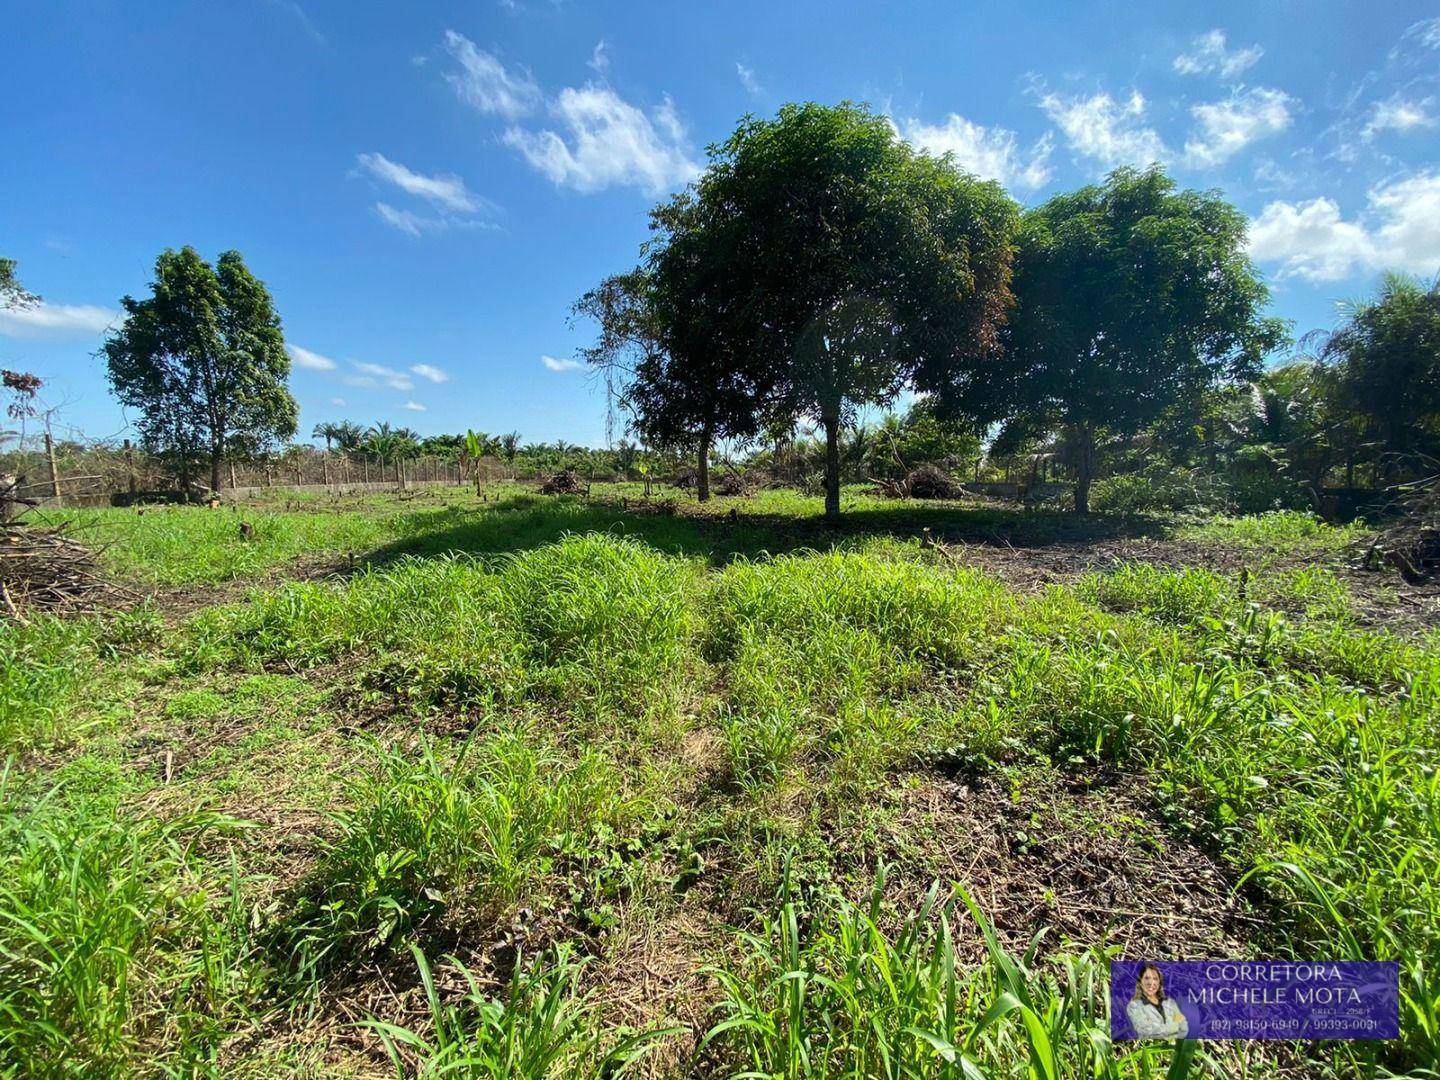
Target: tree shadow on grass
{"points": [[724, 529]]}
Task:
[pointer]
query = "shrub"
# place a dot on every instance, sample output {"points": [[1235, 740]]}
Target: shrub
{"points": [[1157, 489]]}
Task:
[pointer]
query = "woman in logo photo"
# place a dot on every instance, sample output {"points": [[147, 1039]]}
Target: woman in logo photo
{"points": [[1152, 1014]]}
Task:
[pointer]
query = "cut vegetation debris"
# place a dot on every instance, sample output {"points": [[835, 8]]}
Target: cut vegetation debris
{"points": [[560, 787], [44, 569]]}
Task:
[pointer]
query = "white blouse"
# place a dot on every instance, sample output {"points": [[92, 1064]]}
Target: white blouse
{"points": [[1149, 1024]]}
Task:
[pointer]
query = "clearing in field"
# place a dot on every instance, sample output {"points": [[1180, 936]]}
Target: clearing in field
{"points": [[556, 787]]}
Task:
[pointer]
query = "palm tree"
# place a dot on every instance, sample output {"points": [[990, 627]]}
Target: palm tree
{"points": [[326, 431], [349, 435]]}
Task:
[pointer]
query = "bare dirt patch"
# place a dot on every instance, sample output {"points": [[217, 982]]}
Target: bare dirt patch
{"points": [[1090, 862]]}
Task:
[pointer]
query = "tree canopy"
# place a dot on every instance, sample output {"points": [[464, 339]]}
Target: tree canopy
{"points": [[1386, 361], [203, 360], [1132, 296], [820, 265]]}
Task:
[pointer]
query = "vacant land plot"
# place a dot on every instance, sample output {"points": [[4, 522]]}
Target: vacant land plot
{"points": [[555, 787]]}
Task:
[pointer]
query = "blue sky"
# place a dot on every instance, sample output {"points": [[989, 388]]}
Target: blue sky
{"points": [[426, 187]]}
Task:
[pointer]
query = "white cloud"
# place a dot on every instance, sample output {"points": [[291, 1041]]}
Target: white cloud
{"points": [[413, 224], [1399, 230], [1208, 54], [1309, 240], [311, 361], [414, 406], [428, 371], [599, 61], [485, 84], [338, 402], [1398, 114], [608, 141], [1426, 32], [57, 320], [748, 80], [1271, 176], [445, 190], [1227, 127], [991, 153], [1111, 132], [555, 364], [407, 221], [300, 16], [370, 373]]}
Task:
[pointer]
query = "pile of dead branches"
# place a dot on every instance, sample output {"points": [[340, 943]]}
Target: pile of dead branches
{"points": [[565, 482], [926, 482], [735, 483], [1411, 543], [44, 570]]}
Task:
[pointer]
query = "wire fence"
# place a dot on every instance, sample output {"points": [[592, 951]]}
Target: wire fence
{"points": [[46, 471]]}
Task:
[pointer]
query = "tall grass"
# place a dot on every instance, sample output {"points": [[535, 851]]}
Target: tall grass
{"points": [[457, 841], [824, 654], [839, 995], [122, 948], [539, 1028], [592, 618]]}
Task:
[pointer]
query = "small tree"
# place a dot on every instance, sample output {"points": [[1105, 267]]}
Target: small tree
{"points": [[1132, 296], [474, 449], [203, 359]]}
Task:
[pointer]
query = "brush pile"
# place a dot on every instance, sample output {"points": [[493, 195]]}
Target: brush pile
{"points": [[44, 570], [565, 482], [734, 483], [1412, 543], [926, 482]]}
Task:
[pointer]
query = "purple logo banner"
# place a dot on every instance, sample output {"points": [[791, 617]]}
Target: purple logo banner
{"points": [[1254, 999]]}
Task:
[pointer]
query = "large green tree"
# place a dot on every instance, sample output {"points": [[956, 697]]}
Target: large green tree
{"points": [[1385, 357], [846, 265], [1132, 296], [203, 360]]}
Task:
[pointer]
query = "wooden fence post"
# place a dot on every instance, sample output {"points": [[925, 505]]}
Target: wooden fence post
{"points": [[50, 458], [130, 467]]}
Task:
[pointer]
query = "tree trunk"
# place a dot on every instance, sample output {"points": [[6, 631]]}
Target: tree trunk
{"points": [[702, 467], [217, 457], [1084, 437], [9, 508], [832, 467]]}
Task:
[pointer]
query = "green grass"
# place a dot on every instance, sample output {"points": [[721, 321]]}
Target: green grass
{"points": [[560, 738], [458, 842], [119, 942], [1292, 530]]}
